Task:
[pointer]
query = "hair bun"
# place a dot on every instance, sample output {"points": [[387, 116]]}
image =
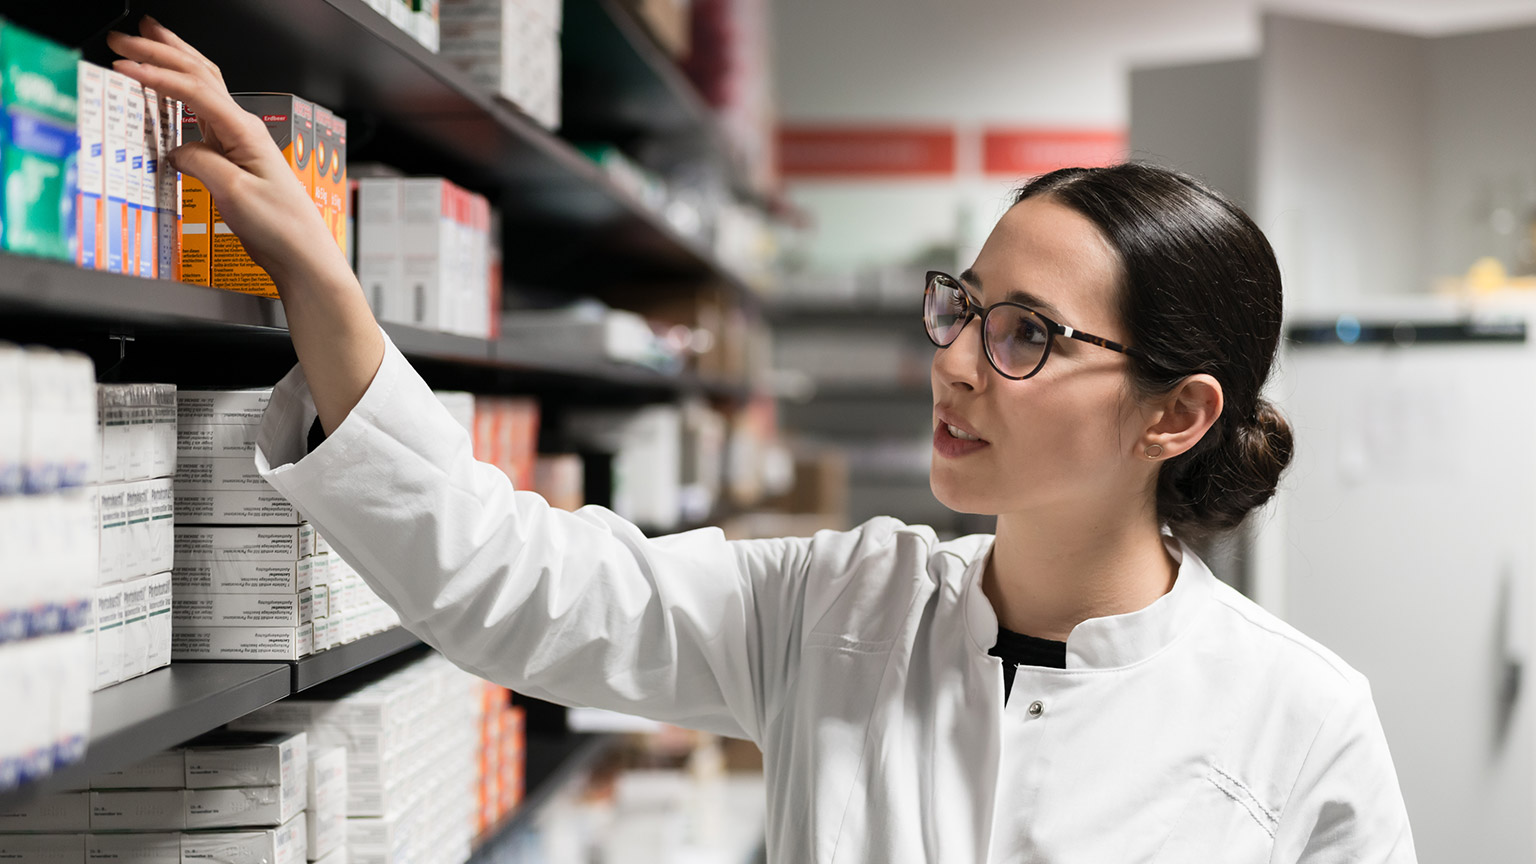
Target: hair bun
{"points": [[1214, 487]]}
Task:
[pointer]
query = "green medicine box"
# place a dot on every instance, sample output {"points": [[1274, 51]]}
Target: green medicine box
{"points": [[38, 102]]}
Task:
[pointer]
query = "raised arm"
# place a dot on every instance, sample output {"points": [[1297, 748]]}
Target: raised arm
{"points": [[334, 333]]}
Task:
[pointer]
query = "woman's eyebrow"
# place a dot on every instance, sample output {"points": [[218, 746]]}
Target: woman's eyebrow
{"points": [[969, 277]]}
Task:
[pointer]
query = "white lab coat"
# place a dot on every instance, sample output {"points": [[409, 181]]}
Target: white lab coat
{"points": [[1199, 729]]}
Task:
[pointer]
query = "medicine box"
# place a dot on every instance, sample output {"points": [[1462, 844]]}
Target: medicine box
{"points": [[227, 473], [291, 123], [235, 507], [157, 848], [59, 813], [225, 760], [133, 139], [243, 542], [246, 806], [72, 682], [164, 770], [137, 425], [115, 163], [216, 441], [196, 224], [107, 613], [336, 856], [379, 235], [139, 810], [222, 407], [326, 814], [242, 643], [39, 85], [13, 408], [135, 650], [168, 189], [193, 576], [160, 600], [29, 679], [90, 204], [282, 845], [242, 610], [149, 188], [43, 848], [331, 187], [137, 531]]}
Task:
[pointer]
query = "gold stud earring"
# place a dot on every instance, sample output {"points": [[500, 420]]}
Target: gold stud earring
{"points": [[1153, 451]]}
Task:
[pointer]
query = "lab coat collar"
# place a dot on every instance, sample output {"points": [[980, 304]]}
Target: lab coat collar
{"points": [[1113, 641]]}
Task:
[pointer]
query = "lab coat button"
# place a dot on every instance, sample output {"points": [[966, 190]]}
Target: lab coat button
{"points": [[1036, 708]]}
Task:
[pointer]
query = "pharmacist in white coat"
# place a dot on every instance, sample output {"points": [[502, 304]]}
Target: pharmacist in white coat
{"points": [[1077, 688]]}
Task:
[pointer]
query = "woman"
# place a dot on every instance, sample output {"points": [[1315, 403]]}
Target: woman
{"points": [[1078, 688]]}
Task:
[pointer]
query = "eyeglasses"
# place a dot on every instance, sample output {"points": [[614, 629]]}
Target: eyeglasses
{"points": [[1017, 339]]}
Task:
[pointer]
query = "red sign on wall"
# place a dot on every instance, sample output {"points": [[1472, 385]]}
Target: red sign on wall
{"points": [[1027, 152], [895, 151]]}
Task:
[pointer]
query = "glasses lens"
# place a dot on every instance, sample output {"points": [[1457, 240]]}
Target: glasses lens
{"points": [[944, 309], [1016, 340]]}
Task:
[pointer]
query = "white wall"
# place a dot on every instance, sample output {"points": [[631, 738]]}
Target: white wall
{"points": [[1025, 62], [1343, 159]]}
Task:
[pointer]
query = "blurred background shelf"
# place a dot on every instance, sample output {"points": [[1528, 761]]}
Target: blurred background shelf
{"points": [[156, 323], [564, 222]]}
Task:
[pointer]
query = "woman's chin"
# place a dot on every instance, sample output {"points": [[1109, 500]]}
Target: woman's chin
{"points": [[954, 496]]}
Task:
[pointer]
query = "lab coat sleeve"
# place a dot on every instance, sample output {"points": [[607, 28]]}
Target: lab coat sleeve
{"points": [[1346, 805], [576, 608]]}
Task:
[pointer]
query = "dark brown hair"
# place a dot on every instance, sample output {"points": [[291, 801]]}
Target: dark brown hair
{"points": [[1200, 292]]}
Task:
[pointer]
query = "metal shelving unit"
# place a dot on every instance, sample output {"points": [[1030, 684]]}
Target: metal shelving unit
{"points": [[565, 221], [183, 700], [566, 227], [323, 666], [38, 289]]}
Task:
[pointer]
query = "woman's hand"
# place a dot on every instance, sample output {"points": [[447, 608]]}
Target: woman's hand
{"points": [[333, 331], [250, 181]]}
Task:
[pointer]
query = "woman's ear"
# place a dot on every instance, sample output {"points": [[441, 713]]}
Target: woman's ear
{"points": [[1182, 418]]}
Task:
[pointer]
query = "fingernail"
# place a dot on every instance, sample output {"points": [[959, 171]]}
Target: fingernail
{"points": [[151, 19]]}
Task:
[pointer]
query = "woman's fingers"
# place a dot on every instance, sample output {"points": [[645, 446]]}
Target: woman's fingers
{"points": [[208, 165], [226, 125], [142, 50]]}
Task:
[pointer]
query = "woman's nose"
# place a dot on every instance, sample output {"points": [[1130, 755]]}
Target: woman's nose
{"points": [[962, 364]]}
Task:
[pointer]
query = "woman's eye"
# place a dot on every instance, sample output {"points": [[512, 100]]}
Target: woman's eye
{"points": [[1030, 332]]}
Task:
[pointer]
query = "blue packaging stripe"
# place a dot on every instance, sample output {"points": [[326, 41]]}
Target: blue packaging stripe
{"points": [[43, 137]]}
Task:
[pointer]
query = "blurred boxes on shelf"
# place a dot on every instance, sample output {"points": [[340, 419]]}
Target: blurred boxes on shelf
{"points": [[589, 330], [506, 434], [510, 47], [412, 740], [39, 85], [425, 255]]}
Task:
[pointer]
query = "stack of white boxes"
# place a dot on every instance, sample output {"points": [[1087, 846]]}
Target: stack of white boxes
{"points": [[412, 755], [253, 580], [425, 256], [239, 799], [326, 817], [131, 611], [511, 47], [48, 559], [245, 557]]}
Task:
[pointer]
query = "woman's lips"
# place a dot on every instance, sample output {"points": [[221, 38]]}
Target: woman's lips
{"points": [[949, 446]]}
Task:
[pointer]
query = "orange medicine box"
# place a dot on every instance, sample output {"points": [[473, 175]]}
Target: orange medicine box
{"points": [[196, 213], [291, 123], [331, 195], [213, 255]]}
